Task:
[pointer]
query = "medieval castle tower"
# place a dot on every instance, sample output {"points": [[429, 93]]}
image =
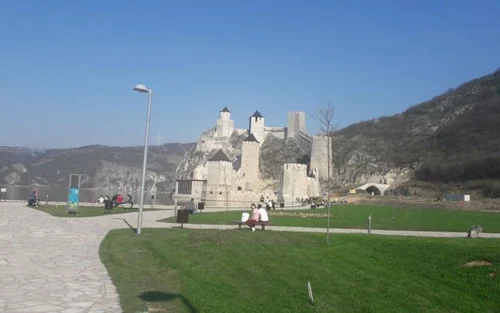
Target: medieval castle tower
{"points": [[225, 126], [238, 180], [250, 151]]}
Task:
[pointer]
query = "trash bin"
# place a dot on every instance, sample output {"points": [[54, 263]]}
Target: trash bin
{"points": [[282, 205], [183, 216], [201, 206]]}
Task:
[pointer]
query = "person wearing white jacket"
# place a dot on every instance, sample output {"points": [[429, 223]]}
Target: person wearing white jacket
{"points": [[263, 216]]}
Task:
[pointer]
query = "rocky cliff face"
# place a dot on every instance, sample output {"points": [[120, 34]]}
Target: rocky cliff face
{"points": [[274, 152], [206, 146]]}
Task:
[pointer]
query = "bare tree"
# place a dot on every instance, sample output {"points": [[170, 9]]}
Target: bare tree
{"points": [[224, 172], [293, 190], [325, 117]]}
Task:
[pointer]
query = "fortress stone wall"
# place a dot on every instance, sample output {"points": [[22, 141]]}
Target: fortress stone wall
{"points": [[319, 156], [296, 184], [279, 132], [296, 123], [250, 151], [234, 181]]}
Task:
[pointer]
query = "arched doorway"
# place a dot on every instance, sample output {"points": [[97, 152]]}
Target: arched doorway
{"points": [[373, 190]]}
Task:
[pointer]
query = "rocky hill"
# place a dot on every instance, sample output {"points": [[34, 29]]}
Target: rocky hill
{"points": [[453, 138], [100, 166]]}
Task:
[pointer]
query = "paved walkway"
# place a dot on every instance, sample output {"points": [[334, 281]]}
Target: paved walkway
{"points": [[51, 264], [409, 233]]}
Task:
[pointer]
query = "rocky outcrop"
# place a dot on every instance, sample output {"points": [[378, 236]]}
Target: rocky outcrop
{"points": [[274, 152]]}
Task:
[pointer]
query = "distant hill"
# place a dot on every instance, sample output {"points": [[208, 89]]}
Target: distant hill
{"points": [[100, 166], [453, 138]]}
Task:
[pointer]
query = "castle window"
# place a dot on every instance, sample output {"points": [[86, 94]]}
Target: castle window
{"points": [[239, 188], [185, 187], [220, 192], [211, 193]]}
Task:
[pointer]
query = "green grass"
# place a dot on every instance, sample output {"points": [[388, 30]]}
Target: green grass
{"points": [[84, 211], [179, 270], [356, 216]]}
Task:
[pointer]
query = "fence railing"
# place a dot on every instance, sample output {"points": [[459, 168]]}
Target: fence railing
{"points": [[60, 194]]}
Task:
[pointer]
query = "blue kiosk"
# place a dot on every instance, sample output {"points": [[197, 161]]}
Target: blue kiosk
{"points": [[73, 194]]}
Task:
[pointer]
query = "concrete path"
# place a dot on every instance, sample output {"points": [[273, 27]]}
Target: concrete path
{"points": [[51, 264], [408, 233]]}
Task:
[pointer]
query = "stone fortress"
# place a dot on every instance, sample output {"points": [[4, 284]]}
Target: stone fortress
{"points": [[218, 172]]}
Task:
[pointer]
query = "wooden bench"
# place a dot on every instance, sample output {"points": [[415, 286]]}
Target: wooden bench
{"points": [[263, 224]]}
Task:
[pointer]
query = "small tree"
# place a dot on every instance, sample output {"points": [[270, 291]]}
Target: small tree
{"points": [[226, 188], [293, 191], [325, 117]]}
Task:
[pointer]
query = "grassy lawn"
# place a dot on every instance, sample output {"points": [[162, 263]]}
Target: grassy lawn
{"points": [[356, 216], [179, 270], [84, 211]]}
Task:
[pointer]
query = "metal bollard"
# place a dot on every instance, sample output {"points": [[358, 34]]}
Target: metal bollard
{"points": [[370, 224]]}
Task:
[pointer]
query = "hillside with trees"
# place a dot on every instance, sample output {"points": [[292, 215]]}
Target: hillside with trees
{"points": [[453, 138]]}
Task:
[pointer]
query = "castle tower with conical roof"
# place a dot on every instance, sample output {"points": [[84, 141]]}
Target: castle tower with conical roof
{"points": [[219, 178], [256, 126], [225, 126], [250, 150]]}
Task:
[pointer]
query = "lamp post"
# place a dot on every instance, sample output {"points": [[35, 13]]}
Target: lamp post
{"points": [[144, 89]]}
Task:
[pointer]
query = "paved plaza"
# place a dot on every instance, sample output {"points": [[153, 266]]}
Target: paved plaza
{"points": [[51, 264]]}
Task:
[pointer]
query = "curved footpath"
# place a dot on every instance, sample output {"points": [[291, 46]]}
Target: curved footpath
{"points": [[51, 264]]}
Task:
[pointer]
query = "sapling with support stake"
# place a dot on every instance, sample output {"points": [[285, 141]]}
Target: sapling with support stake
{"points": [[325, 117]]}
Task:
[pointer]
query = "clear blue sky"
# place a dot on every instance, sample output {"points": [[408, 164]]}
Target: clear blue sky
{"points": [[67, 68]]}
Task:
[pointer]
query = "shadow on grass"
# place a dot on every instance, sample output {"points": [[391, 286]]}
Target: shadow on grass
{"points": [[158, 296], [130, 226]]}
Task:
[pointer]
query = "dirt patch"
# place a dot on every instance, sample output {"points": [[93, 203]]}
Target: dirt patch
{"points": [[493, 274], [477, 263]]}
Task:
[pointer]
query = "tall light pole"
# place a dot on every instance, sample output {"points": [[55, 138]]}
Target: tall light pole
{"points": [[144, 89]]}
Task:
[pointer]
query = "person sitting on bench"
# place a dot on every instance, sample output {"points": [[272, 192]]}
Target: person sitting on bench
{"points": [[263, 216], [33, 199], [119, 199], [254, 217], [129, 200], [190, 206]]}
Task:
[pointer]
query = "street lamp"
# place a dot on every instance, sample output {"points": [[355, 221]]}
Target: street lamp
{"points": [[144, 89]]}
